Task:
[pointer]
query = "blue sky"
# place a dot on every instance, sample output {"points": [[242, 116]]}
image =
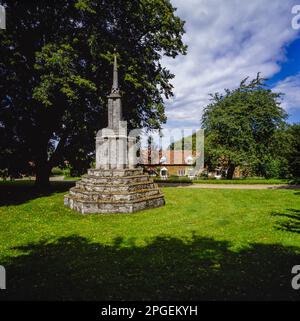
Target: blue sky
{"points": [[228, 41]]}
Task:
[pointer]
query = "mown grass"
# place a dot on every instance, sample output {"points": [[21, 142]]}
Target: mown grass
{"points": [[245, 181], [203, 245]]}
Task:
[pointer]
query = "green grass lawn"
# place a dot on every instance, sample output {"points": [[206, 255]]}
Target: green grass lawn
{"points": [[203, 245], [246, 181]]}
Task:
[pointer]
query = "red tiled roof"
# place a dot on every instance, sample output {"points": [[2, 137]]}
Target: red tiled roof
{"points": [[173, 156]]}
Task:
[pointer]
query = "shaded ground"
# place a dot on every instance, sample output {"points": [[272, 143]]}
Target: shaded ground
{"points": [[165, 269], [19, 192]]}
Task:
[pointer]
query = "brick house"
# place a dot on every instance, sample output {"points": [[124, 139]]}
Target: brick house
{"points": [[166, 163]]}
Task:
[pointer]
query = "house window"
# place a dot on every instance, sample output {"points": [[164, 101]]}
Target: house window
{"points": [[163, 173], [181, 172]]}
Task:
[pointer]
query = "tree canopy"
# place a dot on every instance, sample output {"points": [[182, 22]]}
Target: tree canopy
{"points": [[55, 66], [241, 125]]}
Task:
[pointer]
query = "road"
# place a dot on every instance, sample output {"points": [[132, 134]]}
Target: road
{"points": [[231, 186]]}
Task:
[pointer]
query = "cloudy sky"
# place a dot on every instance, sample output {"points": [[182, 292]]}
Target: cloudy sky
{"points": [[228, 41]]}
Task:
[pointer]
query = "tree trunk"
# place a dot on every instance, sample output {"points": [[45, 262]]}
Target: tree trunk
{"points": [[230, 171], [43, 170], [45, 165]]}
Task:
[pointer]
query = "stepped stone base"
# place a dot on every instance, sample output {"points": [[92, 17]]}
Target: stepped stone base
{"points": [[114, 191]]}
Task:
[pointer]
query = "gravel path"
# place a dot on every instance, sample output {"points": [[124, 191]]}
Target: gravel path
{"points": [[240, 186]]}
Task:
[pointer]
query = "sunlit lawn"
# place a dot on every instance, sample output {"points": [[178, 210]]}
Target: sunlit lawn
{"points": [[204, 244]]}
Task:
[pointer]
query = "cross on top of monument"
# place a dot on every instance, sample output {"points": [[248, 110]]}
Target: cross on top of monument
{"points": [[115, 91], [114, 100]]}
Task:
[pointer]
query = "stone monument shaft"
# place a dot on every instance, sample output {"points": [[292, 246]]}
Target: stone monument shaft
{"points": [[114, 101], [112, 143]]}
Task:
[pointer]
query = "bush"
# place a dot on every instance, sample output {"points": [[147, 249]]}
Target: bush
{"points": [[272, 169], [173, 179], [56, 171]]}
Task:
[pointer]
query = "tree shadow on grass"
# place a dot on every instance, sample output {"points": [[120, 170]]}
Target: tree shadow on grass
{"points": [[19, 192], [198, 268], [288, 187], [291, 222]]}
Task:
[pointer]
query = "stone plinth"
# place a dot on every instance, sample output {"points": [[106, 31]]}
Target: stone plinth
{"points": [[114, 191]]}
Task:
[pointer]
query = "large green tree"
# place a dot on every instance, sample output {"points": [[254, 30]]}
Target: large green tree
{"points": [[241, 125], [293, 152], [55, 71]]}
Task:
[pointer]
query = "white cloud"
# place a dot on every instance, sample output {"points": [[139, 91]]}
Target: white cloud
{"points": [[290, 87], [228, 41]]}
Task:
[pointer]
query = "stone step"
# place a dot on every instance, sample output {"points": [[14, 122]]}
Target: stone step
{"points": [[105, 207], [112, 196], [115, 187], [114, 191], [115, 172], [90, 179]]}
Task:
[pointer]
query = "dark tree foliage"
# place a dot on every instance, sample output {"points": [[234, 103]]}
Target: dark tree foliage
{"points": [[56, 68]]}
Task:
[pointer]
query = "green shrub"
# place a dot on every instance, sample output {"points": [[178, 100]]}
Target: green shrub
{"points": [[174, 179], [56, 171]]}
